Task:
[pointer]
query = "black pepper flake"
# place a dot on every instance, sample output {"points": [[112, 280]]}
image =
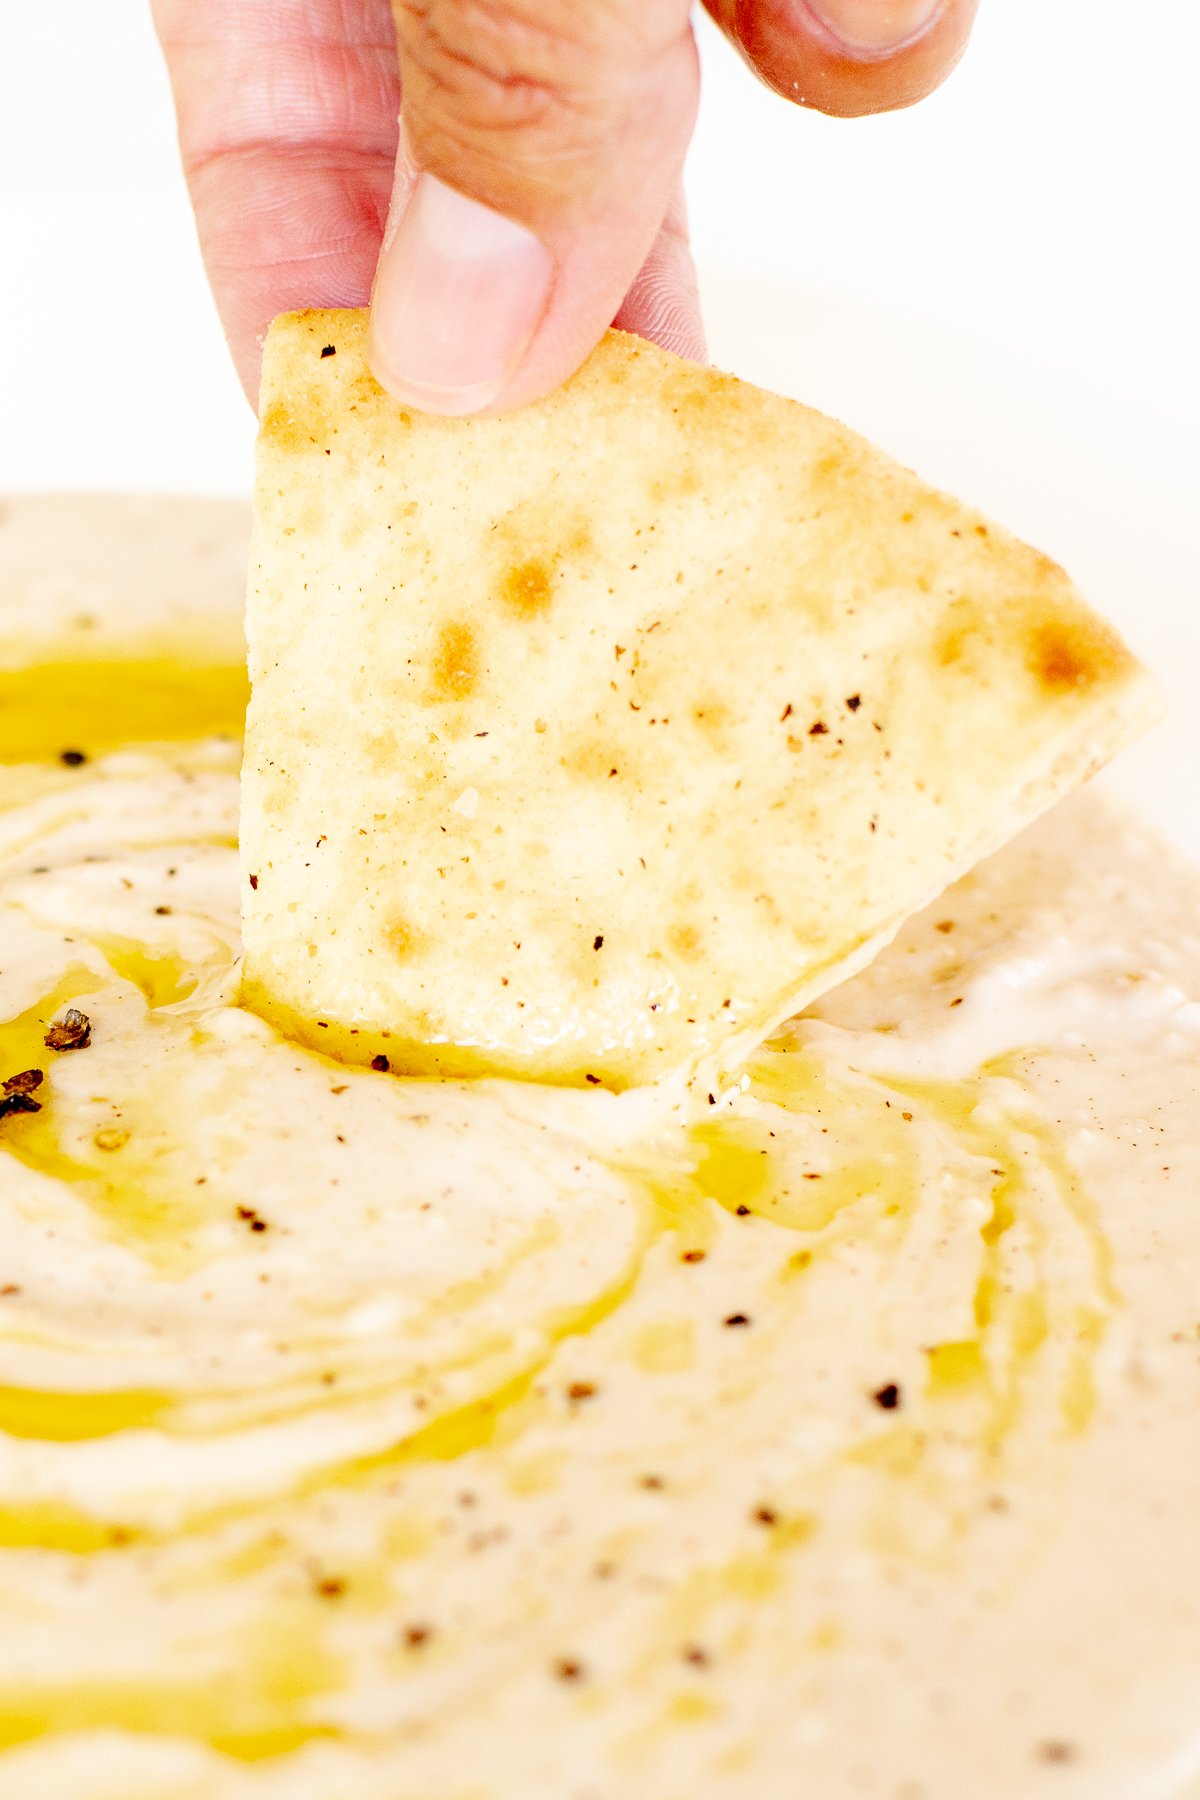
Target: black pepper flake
{"points": [[580, 1390], [786, 713], [818, 729], [254, 882], [17, 1103], [737, 1319], [693, 1256], [592, 1080], [329, 350], [17, 1093], [888, 1397], [765, 1515], [73, 759], [598, 942], [251, 1218], [72, 1032], [381, 1064], [854, 702], [162, 911], [743, 1212]]}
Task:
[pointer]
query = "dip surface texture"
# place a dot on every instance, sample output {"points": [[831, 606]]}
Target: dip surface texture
{"points": [[363, 1435]]}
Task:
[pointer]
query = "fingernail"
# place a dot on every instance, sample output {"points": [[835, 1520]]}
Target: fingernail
{"points": [[459, 292], [875, 25]]}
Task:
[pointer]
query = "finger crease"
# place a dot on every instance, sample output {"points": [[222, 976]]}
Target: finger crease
{"points": [[271, 148]]}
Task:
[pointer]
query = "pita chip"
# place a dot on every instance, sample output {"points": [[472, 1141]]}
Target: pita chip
{"points": [[590, 742]]}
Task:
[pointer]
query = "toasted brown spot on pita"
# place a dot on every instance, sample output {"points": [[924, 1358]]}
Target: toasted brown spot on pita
{"points": [[379, 749], [711, 715], [533, 540], [285, 431], [527, 587], [310, 519], [685, 940], [1067, 655], [950, 648], [594, 759], [455, 660], [402, 938], [682, 481], [840, 463], [278, 801]]}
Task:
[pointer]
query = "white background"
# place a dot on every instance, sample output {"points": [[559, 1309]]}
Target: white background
{"points": [[999, 285], [1045, 199]]}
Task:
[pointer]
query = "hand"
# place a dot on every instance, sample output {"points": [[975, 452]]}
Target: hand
{"points": [[531, 194]]}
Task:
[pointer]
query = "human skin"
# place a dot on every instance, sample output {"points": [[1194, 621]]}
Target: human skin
{"points": [[524, 196]]}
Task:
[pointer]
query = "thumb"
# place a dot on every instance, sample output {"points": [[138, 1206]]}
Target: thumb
{"points": [[541, 144]]}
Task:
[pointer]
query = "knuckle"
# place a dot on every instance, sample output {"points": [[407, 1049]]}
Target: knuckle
{"points": [[497, 68], [543, 82], [530, 105]]}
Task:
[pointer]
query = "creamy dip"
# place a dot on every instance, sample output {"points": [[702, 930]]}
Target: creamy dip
{"points": [[378, 1437]]}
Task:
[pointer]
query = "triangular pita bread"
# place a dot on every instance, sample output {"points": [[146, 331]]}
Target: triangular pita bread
{"points": [[589, 742]]}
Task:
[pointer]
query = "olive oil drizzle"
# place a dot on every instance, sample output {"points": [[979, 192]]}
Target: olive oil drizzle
{"points": [[90, 705]]}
